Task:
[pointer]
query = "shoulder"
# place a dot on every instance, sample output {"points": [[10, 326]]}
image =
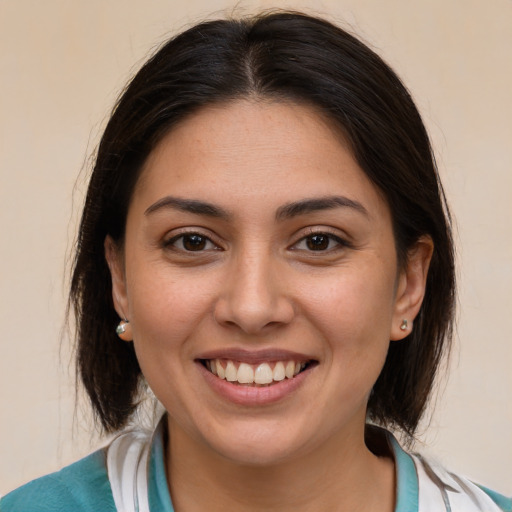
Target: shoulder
{"points": [[426, 486], [435, 483], [82, 486]]}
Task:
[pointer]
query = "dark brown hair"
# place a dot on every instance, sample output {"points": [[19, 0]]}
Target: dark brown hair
{"points": [[287, 56]]}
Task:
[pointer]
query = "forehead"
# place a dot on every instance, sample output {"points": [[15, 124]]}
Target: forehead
{"points": [[255, 150]]}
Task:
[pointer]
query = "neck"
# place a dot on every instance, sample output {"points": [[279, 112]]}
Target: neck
{"points": [[337, 476]]}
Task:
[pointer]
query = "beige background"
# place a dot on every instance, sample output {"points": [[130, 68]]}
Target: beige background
{"points": [[62, 63]]}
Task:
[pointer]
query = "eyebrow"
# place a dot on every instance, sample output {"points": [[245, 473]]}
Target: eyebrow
{"points": [[188, 205], [287, 211], [306, 206]]}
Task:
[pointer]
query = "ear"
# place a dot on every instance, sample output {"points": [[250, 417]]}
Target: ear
{"points": [[411, 287], [115, 262]]}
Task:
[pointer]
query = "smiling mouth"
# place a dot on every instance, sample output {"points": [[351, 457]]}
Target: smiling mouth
{"points": [[262, 374]]}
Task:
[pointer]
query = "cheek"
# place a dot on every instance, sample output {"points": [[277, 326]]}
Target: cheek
{"points": [[166, 309], [354, 315], [357, 301], [162, 298], [167, 312]]}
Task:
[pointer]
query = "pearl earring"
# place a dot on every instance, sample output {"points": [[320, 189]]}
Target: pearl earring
{"points": [[124, 330], [121, 328], [403, 326]]}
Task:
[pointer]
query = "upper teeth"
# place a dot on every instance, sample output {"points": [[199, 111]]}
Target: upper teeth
{"points": [[262, 373]]}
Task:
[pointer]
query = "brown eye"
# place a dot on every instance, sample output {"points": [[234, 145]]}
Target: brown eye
{"points": [[318, 242], [194, 242], [191, 242]]}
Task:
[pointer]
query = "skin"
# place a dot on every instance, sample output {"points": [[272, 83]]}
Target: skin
{"points": [[256, 284]]}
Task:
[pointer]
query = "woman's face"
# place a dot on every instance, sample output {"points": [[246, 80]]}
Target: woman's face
{"points": [[256, 247]]}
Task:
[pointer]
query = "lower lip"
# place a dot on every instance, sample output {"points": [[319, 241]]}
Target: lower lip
{"points": [[253, 395]]}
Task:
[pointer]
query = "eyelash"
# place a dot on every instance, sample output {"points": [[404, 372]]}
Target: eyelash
{"points": [[339, 242], [172, 243]]}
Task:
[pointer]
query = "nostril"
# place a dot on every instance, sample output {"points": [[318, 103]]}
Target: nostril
{"points": [[253, 316]]}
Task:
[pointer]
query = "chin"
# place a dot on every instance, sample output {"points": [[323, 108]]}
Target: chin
{"points": [[255, 454], [258, 445]]}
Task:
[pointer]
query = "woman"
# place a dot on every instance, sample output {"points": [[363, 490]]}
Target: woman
{"points": [[266, 246]]}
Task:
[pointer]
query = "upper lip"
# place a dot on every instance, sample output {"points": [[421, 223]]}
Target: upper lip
{"points": [[255, 356]]}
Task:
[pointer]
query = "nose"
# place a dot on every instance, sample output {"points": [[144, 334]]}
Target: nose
{"points": [[253, 296]]}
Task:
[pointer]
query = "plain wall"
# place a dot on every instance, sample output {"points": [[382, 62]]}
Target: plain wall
{"points": [[62, 64]]}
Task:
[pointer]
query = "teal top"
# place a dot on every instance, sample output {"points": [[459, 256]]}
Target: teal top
{"points": [[84, 486]]}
